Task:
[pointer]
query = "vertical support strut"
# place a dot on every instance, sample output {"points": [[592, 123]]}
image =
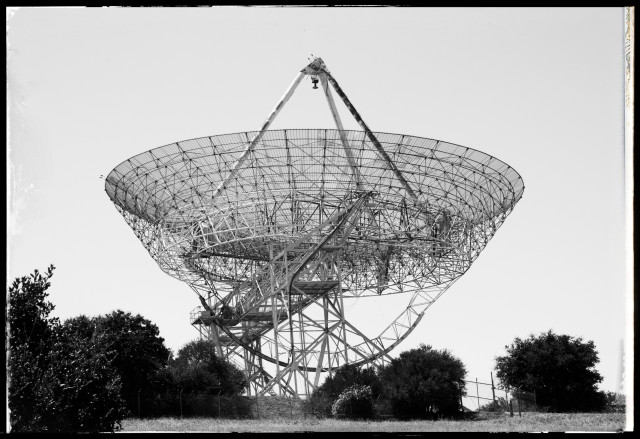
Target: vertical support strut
{"points": [[343, 136], [258, 136], [340, 303], [370, 134], [275, 313]]}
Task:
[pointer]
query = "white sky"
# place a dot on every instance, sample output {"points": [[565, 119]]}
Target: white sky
{"points": [[541, 89]]}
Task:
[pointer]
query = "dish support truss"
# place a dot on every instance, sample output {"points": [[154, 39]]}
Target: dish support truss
{"points": [[290, 313]]}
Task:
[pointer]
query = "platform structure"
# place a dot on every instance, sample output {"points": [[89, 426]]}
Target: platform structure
{"points": [[275, 229]]}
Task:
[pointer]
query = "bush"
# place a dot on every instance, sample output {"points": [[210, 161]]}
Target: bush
{"points": [[424, 383], [321, 400], [318, 405], [616, 402], [500, 405], [356, 402], [347, 376]]}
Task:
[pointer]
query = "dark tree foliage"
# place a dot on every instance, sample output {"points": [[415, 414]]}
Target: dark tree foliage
{"points": [[29, 344], [80, 327], [58, 383], [347, 376], [29, 319], [134, 347], [560, 368], [83, 390], [139, 351], [356, 402], [424, 383], [323, 398], [197, 369]]}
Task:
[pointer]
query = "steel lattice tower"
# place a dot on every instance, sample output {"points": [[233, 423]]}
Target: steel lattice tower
{"points": [[275, 230]]}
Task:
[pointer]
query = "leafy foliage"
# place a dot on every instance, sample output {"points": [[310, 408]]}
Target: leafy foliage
{"points": [[29, 340], [83, 390], [58, 383], [322, 399], [134, 347], [499, 405], [424, 383], [356, 402], [347, 376], [560, 368], [615, 402], [197, 369], [139, 351], [29, 319]]}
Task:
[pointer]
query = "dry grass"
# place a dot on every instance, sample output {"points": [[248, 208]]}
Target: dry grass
{"points": [[529, 422]]}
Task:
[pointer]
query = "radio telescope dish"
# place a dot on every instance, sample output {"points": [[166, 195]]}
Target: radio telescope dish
{"points": [[276, 229]]}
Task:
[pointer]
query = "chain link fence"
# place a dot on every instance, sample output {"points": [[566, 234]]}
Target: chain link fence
{"points": [[480, 397], [495, 397], [183, 405]]}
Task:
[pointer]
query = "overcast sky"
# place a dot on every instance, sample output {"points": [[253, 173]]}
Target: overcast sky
{"points": [[541, 89]]}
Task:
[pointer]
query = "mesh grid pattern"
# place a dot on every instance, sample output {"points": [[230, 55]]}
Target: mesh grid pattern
{"points": [[292, 180]]}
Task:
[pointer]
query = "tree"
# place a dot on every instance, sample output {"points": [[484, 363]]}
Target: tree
{"points": [[560, 368], [347, 376], [58, 383], [424, 383], [197, 369], [82, 390], [134, 347], [322, 399], [29, 321], [30, 334], [139, 350]]}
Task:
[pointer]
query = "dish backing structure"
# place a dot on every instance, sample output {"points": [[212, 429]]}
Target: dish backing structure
{"points": [[275, 229]]}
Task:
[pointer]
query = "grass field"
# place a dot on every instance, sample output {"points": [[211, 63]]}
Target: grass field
{"points": [[529, 422]]}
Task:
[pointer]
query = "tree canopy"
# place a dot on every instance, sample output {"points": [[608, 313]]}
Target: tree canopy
{"points": [[424, 383], [560, 368], [57, 382], [139, 350], [197, 369], [347, 376], [133, 346]]}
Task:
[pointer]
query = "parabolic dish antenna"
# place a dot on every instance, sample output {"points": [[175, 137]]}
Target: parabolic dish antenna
{"points": [[276, 230]]}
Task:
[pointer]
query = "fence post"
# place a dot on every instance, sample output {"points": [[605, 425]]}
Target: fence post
{"points": [[478, 394], [511, 407], [257, 406], [461, 405], [493, 388], [519, 409]]}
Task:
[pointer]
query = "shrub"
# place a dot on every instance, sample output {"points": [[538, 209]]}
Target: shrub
{"points": [[616, 402], [321, 400], [424, 383], [318, 405], [356, 402], [499, 405]]}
